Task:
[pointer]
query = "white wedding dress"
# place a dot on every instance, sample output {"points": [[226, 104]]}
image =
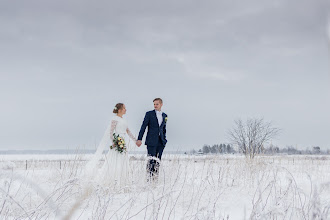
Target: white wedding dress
{"points": [[115, 170]]}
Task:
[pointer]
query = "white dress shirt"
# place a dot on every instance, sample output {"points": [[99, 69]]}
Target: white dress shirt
{"points": [[159, 115]]}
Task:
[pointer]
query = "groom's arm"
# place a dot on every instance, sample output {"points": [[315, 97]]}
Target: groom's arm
{"points": [[144, 126]]}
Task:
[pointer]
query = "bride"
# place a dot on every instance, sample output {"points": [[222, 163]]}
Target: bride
{"points": [[115, 170]]}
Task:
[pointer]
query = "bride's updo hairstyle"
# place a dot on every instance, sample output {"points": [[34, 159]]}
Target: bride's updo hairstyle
{"points": [[118, 107]]}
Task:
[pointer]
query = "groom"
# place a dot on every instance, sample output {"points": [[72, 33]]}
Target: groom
{"points": [[155, 120]]}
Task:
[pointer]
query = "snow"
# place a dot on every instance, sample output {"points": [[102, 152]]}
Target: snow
{"points": [[8, 165], [189, 187]]}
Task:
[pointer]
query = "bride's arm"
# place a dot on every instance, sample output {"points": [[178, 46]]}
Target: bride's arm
{"points": [[112, 129], [130, 135]]}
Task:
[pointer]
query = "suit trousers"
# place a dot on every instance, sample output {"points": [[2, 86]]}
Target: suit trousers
{"points": [[156, 152]]}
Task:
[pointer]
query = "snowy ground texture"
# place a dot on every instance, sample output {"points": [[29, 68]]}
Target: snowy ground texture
{"points": [[189, 187]]}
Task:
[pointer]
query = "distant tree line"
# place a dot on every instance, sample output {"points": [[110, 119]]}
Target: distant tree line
{"points": [[291, 150], [270, 150], [216, 149]]}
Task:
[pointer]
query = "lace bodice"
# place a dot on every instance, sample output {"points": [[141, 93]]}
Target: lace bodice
{"points": [[119, 126]]}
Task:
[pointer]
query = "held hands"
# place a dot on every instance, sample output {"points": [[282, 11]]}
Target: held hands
{"points": [[138, 143]]}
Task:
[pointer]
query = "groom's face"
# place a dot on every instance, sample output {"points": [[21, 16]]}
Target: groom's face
{"points": [[158, 105]]}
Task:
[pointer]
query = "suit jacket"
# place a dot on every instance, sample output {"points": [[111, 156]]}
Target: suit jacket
{"points": [[154, 130]]}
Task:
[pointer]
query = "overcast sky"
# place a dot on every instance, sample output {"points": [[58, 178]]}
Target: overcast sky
{"points": [[65, 64]]}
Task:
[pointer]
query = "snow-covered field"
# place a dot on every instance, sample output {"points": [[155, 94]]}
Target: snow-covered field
{"points": [[189, 187]]}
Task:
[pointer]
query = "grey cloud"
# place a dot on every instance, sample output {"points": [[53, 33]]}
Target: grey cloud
{"points": [[64, 64]]}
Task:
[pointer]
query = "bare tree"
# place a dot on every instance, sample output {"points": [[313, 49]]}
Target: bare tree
{"points": [[251, 136]]}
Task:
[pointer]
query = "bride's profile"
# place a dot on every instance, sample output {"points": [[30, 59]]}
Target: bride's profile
{"points": [[115, 170]]}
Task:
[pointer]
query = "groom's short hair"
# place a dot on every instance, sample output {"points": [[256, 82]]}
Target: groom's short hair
{"points": [[158, 99]]}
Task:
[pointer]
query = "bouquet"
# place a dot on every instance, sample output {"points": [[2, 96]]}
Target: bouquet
{"points": [[118, 144]]}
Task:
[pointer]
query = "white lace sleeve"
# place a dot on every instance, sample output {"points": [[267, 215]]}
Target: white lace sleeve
{"points": [[112, 129], [130, 135]]}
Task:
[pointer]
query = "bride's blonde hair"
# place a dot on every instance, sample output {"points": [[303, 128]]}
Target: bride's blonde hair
{"points": [[118, 107]]}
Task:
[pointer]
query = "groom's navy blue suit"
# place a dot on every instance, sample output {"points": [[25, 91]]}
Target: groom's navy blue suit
{"points": [[156, 138]]}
